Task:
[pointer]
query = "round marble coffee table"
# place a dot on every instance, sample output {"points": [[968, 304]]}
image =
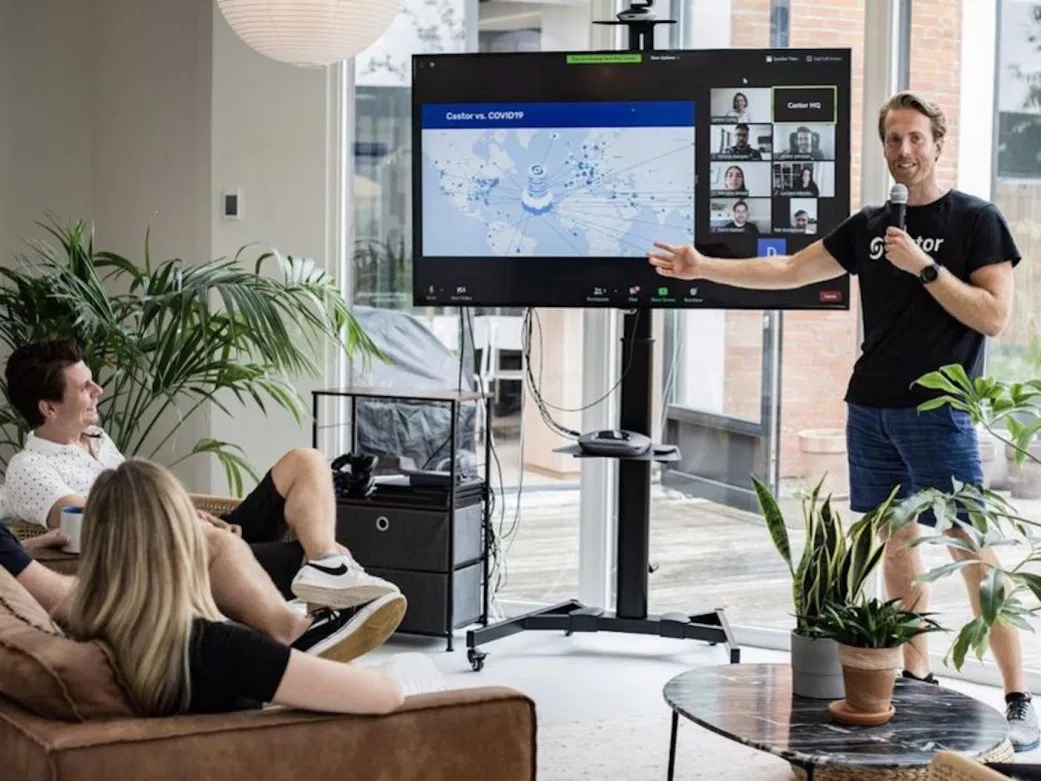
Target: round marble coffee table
{"points": [[753, 704]]}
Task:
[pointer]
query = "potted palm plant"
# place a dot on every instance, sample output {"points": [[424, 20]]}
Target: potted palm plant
{"points": [[832, 568], [166, 339], [870, 634]]}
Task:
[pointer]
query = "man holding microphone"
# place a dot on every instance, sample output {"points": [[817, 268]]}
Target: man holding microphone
{"points": [[930, 294]]}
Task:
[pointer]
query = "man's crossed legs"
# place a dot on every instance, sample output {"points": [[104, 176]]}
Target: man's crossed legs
{"points": [[356, 611], [253, 575]]}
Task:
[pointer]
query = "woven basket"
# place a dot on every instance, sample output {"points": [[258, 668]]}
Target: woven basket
{"points": [[217, 505], [1002, 753], [948, 766]]}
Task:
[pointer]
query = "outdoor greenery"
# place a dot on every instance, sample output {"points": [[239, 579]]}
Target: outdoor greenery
{"points": [[166, 338], [383, 272], [835, 561]]}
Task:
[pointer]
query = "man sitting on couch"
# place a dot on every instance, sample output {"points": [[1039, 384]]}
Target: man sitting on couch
{"points": [[53, 389]]}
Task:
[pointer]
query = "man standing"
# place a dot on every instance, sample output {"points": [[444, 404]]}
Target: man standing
{"points": [[930, 296]]}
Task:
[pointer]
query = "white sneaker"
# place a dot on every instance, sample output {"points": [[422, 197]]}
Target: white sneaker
{"points": [[343, 635], [339, 582]]}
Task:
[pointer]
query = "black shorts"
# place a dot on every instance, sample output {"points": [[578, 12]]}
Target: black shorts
{"points": [[262, 517], [262, 514], [13, 557]]}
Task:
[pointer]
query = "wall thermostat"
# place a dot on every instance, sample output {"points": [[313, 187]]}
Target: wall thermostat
{"points": [[231, 204]]}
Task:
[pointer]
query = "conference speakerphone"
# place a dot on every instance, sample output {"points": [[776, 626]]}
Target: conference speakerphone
{"points": [[614, 442]]}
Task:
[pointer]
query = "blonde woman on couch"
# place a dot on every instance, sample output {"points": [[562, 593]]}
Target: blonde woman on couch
{"points": [[144, 590]]}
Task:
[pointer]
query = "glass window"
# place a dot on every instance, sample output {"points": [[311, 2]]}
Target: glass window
{"points": [[752, 392]]}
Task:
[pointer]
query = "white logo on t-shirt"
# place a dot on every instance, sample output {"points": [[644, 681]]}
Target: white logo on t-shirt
{"points": [[877, 247]]}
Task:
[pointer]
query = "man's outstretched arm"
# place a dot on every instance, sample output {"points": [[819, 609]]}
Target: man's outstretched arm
{"points": [[808, 266]]}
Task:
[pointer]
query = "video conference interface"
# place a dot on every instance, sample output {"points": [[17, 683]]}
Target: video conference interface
{"points": [[544, 179], [772, 153]]}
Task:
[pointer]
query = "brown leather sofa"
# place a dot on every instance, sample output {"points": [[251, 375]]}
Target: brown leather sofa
{"points": [[64, 717]]}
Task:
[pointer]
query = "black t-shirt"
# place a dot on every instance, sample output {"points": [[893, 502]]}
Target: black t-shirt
{"points": [[232, 667], [907, 333]]}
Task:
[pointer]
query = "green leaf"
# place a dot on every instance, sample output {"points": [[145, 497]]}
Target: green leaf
{"points": [[166, 339], [969, 637], [774, 521], [938, 381], [992, 595], [1032, 582]]}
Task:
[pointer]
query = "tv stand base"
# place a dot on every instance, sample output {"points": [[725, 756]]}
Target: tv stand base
{"points": [[572, 616]]}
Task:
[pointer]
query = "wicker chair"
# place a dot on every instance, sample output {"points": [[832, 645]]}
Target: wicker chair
{"points": [[25, 532]]}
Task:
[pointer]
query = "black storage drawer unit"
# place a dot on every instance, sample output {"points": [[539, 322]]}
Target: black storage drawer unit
{"points": [[427, 595], [409, 535]]}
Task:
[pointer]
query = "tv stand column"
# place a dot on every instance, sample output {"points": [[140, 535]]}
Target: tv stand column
{"points": [[633, 541], [634, 488]]}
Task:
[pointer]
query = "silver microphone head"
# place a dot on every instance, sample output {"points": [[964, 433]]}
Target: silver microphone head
{"points": [[898, 194]]}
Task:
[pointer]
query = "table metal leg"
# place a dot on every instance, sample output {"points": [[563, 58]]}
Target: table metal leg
{"points": [[672, 745], [805, 768]]}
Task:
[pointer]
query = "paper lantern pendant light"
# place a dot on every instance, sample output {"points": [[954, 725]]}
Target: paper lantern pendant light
{"points": [[309, 32]]}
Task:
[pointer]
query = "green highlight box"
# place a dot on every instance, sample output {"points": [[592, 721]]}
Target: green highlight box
{"points": [[605, 58]]}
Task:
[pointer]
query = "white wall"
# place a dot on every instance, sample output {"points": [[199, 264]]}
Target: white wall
{"points": [[130, 112], [46, 115], [268, 138]]}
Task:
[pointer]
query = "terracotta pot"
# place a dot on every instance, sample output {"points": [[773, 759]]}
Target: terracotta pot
{"points": [[869, 675]]}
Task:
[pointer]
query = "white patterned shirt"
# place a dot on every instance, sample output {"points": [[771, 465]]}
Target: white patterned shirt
{"points": [[44, 472]]}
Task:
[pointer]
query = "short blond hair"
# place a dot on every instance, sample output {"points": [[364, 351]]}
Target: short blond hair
{"points": [[909, 99]]}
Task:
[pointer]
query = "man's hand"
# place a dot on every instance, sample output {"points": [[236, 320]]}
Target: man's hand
{"points": [[904, 253], [213, 520], [55, 538], [681, 262]]}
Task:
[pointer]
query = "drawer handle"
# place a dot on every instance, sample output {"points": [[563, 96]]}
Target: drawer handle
{"points": [[382, 523]]}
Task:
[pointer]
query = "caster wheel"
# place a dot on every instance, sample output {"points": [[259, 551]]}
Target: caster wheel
{"points": [[476, 659]]}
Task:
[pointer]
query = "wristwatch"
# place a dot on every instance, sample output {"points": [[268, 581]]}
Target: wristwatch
{"points": [[929, 273]]}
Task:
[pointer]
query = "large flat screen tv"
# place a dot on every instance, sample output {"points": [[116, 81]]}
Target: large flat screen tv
{"points": [[544, 179]]}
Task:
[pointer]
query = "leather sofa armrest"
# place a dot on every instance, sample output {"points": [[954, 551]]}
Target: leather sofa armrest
{"points": [[486, 733]]}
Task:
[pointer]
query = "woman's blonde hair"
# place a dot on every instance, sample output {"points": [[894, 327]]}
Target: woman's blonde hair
{"points": [[143, 579]]}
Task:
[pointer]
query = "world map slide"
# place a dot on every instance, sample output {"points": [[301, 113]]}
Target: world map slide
{"points": [[556, 180]]}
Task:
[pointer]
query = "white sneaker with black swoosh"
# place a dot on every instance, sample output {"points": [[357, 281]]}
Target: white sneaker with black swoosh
{"points": [[339, 581]]}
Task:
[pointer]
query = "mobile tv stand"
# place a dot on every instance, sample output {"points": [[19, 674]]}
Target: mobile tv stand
{"points": [[634, 489]]}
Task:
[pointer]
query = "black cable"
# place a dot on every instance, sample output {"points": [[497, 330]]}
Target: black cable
{"points": [[544, 406], [495, 539]]}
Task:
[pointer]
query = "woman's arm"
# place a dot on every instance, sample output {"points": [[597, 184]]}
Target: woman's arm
{"points": [[313, 683]]}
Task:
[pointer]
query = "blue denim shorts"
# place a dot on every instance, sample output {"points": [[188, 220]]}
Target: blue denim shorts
{"points": [[915, 450]]}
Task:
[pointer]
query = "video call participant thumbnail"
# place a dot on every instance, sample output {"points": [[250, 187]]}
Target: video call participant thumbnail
{"points": [[746, 180], [740, 105], [749, 217], [741, 142], [796, 215], [804, 142]]}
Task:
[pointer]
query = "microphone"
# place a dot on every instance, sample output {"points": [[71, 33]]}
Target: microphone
{"points": [[898, 206]]}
